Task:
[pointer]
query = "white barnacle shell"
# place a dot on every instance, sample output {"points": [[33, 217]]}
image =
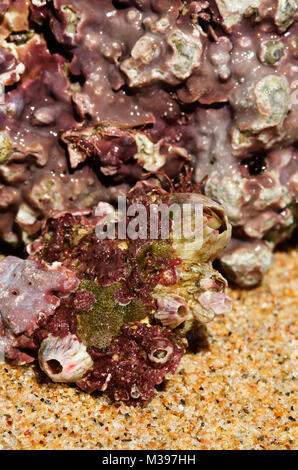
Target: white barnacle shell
{"points": [[187, 52], [64, 359], [200, 294], [228, 190], [271, 51]]}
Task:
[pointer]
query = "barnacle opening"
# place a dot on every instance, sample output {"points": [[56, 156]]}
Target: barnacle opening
{"points": [[182, 311], [159, 354], [54, 366]]}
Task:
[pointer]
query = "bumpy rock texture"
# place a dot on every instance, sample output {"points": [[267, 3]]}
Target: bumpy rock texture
{"points": [[98, 92]]}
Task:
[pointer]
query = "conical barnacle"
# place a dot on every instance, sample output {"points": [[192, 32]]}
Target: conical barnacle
{"points": [[172, 310], [64, 359]]}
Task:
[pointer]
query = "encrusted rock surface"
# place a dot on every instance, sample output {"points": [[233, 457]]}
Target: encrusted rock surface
{"points": [[98, 92]]}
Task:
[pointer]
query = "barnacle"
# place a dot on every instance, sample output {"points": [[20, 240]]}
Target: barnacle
{"points": [[215, 229], [187, 53], [234, 11], [72, 20], [148, 153], [285, 14], [147, 63], [273, 101], [64, 359], [271, 51], [229, 193], [282, 12], [172, 310]]}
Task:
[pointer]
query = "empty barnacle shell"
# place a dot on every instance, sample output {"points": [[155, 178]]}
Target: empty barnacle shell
{"points": [[64, 359], [161, 351]]}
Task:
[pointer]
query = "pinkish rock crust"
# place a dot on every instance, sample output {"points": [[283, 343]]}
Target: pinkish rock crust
{"points": [[209, 83]]}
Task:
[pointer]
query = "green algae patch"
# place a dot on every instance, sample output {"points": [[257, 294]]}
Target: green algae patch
{"points": [[103, 321]]}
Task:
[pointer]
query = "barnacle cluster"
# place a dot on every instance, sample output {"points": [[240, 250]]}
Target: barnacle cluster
{"points": [[120, 321]]}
